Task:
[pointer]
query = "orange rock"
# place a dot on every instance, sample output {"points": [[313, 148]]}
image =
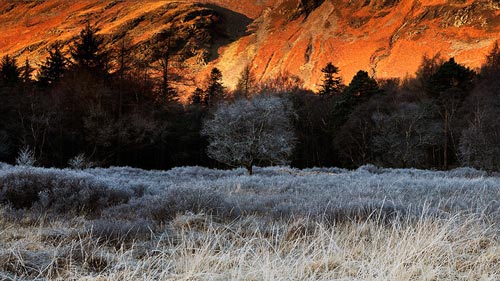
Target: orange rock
{"points": [[386, 38]]}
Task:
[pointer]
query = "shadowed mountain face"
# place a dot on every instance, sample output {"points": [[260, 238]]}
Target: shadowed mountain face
{"points": [[385, 37]]}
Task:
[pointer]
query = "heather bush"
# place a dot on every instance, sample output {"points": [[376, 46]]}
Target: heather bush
{"points": [[194, 200], [21, 189], [274, 192], [61, 192]]}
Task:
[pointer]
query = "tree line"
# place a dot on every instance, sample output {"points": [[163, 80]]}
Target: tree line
{"points": [[118, 109]]}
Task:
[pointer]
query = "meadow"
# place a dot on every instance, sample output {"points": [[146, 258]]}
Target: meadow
{"points": [[194, 223]]}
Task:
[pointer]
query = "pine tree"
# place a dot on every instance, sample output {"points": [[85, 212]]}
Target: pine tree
{"points": [[332, 83], [88, 51], [491, 68], [451, 76], [362, 86], [215, 90], [54, 67], [10, 74], [26, 71], [359, 91], [197, 97]]}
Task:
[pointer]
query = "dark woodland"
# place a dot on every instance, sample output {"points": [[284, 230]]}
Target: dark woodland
{"points": [[120, 110]]}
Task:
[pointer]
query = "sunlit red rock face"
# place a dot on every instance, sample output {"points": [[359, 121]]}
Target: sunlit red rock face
{"points": [[385, 37]]}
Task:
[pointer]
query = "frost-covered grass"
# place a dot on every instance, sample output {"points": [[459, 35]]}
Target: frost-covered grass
{"points": [[280, 223]]}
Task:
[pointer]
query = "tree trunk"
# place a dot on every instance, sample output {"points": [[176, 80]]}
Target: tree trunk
{"points": [[445, 148], [250, 169]]}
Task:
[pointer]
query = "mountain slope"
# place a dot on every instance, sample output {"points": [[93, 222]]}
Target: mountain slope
{"points": [[385, 37]]}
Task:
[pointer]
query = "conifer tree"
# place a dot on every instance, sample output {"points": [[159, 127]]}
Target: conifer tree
{"points": [[197, 97], [362, 86], [89, 52], [491, 68], [52, 70], [332, 83], [10, 73], [215, 90], [26, 71]]}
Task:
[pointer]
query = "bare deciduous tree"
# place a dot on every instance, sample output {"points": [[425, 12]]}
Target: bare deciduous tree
{"points": [[248, 132], [479, 144], [404, 135]]}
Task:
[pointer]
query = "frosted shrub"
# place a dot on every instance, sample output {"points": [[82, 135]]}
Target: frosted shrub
{"points": [[193, 200], [21, 189], [467, 172], [26, 157], [80, 162], [60, 192]]}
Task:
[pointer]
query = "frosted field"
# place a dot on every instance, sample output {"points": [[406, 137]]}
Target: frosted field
{"points": [[193, 223], [282, 192]]}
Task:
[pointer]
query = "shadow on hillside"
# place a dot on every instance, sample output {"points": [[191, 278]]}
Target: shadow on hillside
{"points": [[235, 24]]}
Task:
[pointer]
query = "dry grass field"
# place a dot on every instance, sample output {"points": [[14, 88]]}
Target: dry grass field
{"points": [[279, 224]]}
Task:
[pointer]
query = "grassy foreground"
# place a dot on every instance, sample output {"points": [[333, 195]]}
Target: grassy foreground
{"points": [[444, 235]]}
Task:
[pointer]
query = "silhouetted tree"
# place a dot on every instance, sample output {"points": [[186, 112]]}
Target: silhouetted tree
{"points": [[362, 86], [281, 85], [10, 73], [428, 67], [246, 83], [26, 71], [350, 122], [89, 53], [54, 67], [196, 97], [492, 66], [164, 55], [361, 89], [332, 83], [214, 92], [449, 87]]}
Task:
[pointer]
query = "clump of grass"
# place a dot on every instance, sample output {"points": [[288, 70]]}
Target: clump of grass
{"points": [[462, 247]]}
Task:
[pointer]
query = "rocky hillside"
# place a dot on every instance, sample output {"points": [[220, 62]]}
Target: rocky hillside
{"points": [[385, 37]]}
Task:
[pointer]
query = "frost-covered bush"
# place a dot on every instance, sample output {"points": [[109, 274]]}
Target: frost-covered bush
{"points": [[272, 192], [80, 161], [467, 172], [21, 189], [194, 200], [61, 192], [26, 157]]}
